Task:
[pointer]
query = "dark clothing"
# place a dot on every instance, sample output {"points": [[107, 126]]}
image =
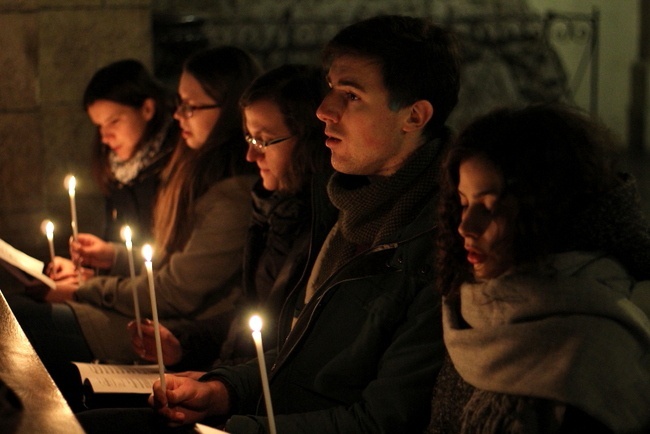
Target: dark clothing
{"points": [[127, 420], [132, 203], [365, 350], [616, 224], [275, 257], [282, 228]]}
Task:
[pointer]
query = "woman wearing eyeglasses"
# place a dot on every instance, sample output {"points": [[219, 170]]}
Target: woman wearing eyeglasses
{"points": [[291, 212], [200, 221], [136, 135]]}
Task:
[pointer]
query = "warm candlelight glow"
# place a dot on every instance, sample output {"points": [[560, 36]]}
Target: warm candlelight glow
{"points": [[70, 183], [126, 234], [255, 323], [47, 227], [147, 252]]}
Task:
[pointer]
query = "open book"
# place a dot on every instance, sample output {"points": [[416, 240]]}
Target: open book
{"points": [[118, 378], [126, 379], [22, 266]]}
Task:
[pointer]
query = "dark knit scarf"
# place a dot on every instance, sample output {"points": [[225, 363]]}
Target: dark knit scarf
{"points": [[277, 219], [616, 224], [372, 211]]}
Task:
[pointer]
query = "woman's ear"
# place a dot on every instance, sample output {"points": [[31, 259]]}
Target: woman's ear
{"points": [[148, 109], [420, 113]]}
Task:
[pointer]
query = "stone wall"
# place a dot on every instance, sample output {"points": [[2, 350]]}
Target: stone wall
{"points": [[50, 49], [283, 31], [507, 55]]}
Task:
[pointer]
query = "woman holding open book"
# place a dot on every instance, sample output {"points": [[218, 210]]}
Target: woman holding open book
{"points": [[201, 217]]}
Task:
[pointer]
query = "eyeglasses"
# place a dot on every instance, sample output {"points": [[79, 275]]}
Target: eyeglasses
{"points": [[260, 146], [187, 110]]}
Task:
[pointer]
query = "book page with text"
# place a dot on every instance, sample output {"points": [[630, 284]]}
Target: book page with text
{"points": [[104, 378]]}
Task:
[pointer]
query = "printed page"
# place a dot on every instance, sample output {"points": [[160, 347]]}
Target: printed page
{"points": [[204, 429], [13, 257], [105, 378]]}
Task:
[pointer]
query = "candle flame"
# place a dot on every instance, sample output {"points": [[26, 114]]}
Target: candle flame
{"points": [[125, 232], [47, 227], [255, 323], [147, 252], [70, 182]]}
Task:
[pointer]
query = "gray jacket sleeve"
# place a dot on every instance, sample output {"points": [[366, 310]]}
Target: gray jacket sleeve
{"points": [[197, 275]]}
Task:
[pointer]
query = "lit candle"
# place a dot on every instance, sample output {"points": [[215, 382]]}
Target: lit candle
{"points": [[48, 228], [71, 183], [147, 253], [126, 235], [256, 325]]}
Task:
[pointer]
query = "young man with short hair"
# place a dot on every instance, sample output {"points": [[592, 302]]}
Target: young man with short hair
{"points": [[360, 338]]}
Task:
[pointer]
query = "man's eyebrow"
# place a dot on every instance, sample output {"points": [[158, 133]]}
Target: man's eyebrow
{"points": [[345, 82]]}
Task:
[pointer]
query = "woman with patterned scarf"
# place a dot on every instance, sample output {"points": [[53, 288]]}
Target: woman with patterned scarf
{"points": [[541, 246], [136, 135]]}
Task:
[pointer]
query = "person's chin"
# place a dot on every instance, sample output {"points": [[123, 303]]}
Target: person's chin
{"points": [[192, 144], [269, 184], [343, 165], [483, 271]]}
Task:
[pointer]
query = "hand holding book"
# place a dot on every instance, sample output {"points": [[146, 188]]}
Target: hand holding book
{"points": [[26, 269]]}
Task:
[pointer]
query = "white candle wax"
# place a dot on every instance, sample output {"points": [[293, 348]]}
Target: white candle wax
{"points": [[255, 324], [72, 185], [126, 235], [147, 252]]}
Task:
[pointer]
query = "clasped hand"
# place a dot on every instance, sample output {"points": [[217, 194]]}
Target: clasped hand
{"points": [[67, 277], [87, 251]]}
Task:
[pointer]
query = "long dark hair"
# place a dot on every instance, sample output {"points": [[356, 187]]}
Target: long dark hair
{"points": [[126, 82], [554, 162], [224, 73], [297, 90]]}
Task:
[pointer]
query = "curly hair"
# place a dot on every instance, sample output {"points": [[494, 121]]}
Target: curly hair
{"points": [[553, 159]]}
